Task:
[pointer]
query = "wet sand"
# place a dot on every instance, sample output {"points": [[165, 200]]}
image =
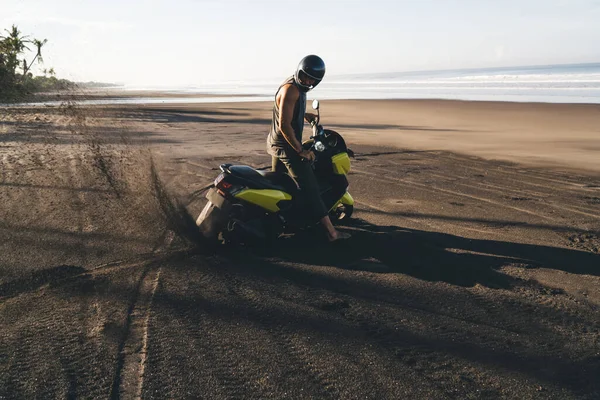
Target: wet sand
{"points": [[473, 270], [107, 94]]}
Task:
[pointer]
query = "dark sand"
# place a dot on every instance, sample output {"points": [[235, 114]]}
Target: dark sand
{"points": [[473, 270]]}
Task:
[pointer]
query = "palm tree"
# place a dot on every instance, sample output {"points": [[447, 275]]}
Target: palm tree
{"points": [[38, 56], [11, 46]]}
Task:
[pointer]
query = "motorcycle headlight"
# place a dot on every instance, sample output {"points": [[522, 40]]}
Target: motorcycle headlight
{"points": [[319, 146]]}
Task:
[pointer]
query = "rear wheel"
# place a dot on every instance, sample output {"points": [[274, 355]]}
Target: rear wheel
{"points": [[341, 213]]}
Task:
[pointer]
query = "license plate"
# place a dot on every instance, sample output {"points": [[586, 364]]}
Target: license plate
{"points": [[219, 179]]}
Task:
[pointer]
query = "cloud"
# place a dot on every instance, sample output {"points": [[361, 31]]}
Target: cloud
{"points": [[500, 51], [81, 24]]}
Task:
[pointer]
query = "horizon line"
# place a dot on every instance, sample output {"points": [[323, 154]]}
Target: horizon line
{"points": [[267, 80]]}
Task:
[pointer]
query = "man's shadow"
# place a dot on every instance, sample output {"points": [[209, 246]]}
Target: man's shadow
{"points": [[429, 256]]}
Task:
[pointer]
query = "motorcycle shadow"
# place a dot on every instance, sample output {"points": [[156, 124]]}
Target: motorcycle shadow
{"points": [[425, 255]]}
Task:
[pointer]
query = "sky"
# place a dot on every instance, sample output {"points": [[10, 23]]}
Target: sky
{"points": [[195, 42]]}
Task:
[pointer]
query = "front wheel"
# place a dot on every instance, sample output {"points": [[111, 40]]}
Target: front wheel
{"points": [[341, 213]]}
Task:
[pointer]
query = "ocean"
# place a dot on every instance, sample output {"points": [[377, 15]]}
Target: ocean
{"points": [[574, 83]]}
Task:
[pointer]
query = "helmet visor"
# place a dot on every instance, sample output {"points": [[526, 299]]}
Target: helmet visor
{"points": [[306, 80]]}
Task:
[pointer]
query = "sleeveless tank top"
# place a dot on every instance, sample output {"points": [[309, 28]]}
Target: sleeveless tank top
{"points": [[276, 143]]}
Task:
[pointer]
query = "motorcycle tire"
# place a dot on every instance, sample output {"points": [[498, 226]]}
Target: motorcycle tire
{"points": [[341, 213]]}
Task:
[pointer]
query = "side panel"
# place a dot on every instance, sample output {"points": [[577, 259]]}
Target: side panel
{"points": [[341, 163], [265, 198]]}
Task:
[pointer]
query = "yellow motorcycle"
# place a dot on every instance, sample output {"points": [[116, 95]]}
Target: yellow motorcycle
{"points": [[246, 204]]}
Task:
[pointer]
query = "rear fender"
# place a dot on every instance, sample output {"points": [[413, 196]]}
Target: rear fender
{"points": [[346, 200], [214, 215]]}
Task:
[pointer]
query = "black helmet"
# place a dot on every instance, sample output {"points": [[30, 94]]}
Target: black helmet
{"points": [[310, 68]]}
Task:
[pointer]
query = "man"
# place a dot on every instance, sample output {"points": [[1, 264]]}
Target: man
{"points": [[284, 142]]}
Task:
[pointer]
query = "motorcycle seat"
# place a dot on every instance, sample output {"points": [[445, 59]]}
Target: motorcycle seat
{"points": [[263, 180], [281, 179]]}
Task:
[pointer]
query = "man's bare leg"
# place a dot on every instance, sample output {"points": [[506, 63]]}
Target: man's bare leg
{"points": [[332, 233]]}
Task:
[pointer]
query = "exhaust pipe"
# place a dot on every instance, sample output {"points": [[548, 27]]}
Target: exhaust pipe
{"points": [[247, 229]]}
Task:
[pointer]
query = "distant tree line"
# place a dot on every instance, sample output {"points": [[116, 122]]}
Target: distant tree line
{"points": [[16, 78]]}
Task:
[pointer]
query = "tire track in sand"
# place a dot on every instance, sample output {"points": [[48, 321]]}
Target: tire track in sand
{"points": [[131, 361], [389, 180], [129, 380], [223, 366], [317, 371], [133, 350], [536, 196]]}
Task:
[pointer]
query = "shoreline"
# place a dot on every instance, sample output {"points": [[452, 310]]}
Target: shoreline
{"points": [[174, 100], [208, 99], [182, 97]]}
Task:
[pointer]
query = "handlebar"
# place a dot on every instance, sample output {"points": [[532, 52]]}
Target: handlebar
{"points": [[317, 129]]}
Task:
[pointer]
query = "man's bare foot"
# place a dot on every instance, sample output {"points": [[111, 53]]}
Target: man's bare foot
{"points": [[338, 236]]}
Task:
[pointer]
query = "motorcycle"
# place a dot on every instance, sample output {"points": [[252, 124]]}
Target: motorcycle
{"points": [[246, 204]]}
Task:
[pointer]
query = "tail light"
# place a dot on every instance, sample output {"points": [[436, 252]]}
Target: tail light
{"points": [[225, 188]]}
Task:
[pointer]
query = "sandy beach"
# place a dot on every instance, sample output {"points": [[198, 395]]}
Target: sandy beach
{"points": [[473, 270]]}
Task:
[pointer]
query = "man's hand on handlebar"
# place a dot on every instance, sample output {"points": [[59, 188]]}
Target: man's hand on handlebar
{"points": [[307, 154], [310, 117]]}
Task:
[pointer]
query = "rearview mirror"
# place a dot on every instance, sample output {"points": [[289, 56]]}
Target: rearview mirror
{"points": [[315, 104]]}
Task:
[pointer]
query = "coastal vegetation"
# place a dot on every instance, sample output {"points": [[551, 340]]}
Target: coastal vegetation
{"points": [[19, 53]]}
